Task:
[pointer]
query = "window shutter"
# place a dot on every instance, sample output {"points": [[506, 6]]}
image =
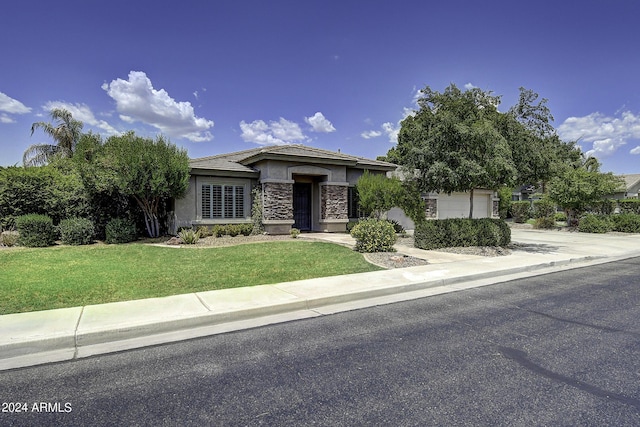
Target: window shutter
{"points": [[206, 201], [216, 201], [239, 202]]}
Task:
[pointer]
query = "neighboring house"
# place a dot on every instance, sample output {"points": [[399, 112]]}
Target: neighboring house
{"points": [[524, 193], [302, 187], [630, 189], [454, 205]]}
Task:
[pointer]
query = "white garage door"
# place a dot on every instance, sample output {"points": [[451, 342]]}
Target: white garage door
{"points": [[456, 205]]}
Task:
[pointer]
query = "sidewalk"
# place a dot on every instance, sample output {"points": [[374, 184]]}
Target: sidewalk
{"points": [[48, 336]]}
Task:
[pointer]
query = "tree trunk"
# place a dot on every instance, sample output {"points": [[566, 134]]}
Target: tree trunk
{"points": [[150, 210], [471, 204]]}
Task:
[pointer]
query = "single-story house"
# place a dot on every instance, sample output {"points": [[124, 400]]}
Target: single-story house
{"points": [[303, 187], [630, 188]]}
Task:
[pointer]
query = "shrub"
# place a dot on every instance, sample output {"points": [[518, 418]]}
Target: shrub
{"points": [[626, 223], [204, 231], [397, 227], [591, 223], [560, 216], [545, 222], [604, 207], [374, 235], [232, 230], [35, 230], [629, 206], [437, 234], [521, 211], [294, 233], [189, 236], [76, 231], [350, 225], [544, 208], [120, 230], [9, 238]]}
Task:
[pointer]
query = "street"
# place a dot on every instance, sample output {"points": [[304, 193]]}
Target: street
{"points": [[559, 349]]}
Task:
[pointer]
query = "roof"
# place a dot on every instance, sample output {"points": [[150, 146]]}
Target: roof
{"points": [[630, 180], [241, 161]]}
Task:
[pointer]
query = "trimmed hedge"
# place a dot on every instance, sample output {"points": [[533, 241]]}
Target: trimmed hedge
{"points": [[120, 230], [76, 231], [626, 223], [631, 206], [461, 232], [374, 235], [592, 223], [521, 211], [36, 231]]}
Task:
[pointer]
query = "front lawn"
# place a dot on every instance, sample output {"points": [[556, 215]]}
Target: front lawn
{"points": [[68, 276]]}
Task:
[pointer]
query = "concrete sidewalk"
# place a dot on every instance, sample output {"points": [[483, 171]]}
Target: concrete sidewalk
{"points": [[48, 336]]}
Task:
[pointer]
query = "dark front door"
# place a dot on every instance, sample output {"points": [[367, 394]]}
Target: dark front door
{"points": [[302, 205]]}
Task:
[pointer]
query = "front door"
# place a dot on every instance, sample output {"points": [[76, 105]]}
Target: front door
{"points": [[302, 205]]}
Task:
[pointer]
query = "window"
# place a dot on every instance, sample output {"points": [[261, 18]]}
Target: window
{"points": [[222, 201], [353, 207]]}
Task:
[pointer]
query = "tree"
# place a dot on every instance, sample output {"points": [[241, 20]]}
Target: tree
{"points": [[66, 132], [575, 189], [454, 143], [150, 171], [378, 194]]}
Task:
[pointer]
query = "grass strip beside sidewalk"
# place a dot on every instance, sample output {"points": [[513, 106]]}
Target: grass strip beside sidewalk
{"points": [[67, 276]]}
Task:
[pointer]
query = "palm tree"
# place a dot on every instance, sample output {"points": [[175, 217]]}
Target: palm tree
{"points": [[65, 131]]}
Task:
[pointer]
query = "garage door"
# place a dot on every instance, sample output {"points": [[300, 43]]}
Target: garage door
{"points": [[457, 205]]}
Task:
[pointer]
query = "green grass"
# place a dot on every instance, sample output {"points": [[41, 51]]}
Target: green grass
{"points": [[66, 276]]}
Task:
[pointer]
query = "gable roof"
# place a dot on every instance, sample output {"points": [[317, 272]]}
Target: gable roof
{"points": [[241, 161], [630, 180]]}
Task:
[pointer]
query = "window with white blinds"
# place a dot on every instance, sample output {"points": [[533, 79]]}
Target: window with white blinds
{"points": [[222, 201]]}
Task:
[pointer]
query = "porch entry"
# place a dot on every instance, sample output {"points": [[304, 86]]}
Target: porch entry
{"points": [[302, 205]]}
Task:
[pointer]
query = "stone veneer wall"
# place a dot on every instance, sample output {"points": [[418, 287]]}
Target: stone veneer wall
{"points": [[277, 201], [333, 201], [496, 209]]}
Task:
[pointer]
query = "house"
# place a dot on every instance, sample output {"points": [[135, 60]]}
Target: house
{"points": [[630, 189], [303, 187]]}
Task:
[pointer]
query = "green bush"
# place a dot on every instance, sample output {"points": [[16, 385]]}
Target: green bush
{"points": [[437, 234], [604, 207], [76, 231], [521, 211], [591, 223], [560, 216], [120, 230], [294, 233], [232, 230], [544, 208], [629, 206], [546, 222], [189, 236], [36, 231], [626, 223], [374, 235], [397, 227], [350, 225], [9, 238]]}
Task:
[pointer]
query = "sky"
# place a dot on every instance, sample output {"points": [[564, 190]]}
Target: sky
{"points": [[221, 76]]}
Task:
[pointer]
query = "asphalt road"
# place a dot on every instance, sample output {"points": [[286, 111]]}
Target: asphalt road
{"points": [[560, 349]]}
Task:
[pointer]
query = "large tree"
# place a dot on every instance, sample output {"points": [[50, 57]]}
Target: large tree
{"points": [[65, 131], [454, 143], [150, 171], [579, 186]]}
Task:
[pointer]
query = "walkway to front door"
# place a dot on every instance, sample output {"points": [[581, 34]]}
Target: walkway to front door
{"points": [[302, 206]]}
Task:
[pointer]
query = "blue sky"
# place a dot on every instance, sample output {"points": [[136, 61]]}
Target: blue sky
{"points": [[221, 76]]}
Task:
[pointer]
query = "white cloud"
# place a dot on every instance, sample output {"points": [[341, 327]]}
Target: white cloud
{"points": [[391, 131], [137, 100], [319, 123], [606, 134], [370, 134], [635, 150], [8, 106], [273, 133], [83, 113], [469, 86]]}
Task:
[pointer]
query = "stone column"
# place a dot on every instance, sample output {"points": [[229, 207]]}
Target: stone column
{"points": [[334, 206], [277, 206]]}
